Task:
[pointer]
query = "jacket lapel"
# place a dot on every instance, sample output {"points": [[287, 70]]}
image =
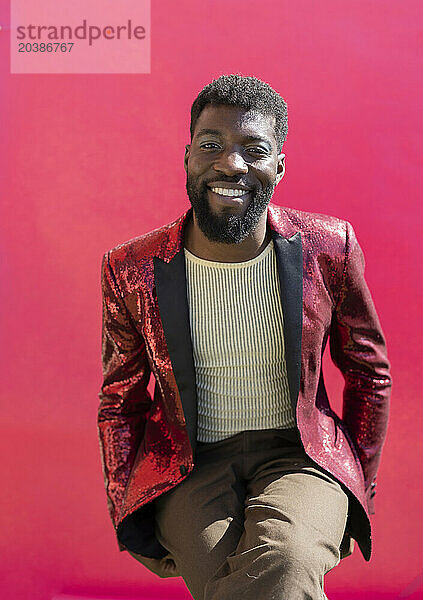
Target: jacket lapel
{"points": [[170, 280], [289, 257], [171, 289]]}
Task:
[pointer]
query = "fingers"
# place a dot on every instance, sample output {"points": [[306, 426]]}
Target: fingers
{"points": [[169, 567], [163, 567]]}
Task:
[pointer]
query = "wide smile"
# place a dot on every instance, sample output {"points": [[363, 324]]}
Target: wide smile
{"points": [[228, 197]]}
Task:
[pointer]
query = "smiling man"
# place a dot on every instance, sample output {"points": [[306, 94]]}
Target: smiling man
{"points": [[237, 475], [232, 168]]}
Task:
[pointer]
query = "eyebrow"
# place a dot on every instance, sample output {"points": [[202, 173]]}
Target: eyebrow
{"points": [[218, 133]]}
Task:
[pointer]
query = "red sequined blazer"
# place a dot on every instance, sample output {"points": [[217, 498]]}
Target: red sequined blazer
{"points": [[148, 444]]}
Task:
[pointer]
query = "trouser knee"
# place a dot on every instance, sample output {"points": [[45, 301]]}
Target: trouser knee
{"points": [[297, 557]]}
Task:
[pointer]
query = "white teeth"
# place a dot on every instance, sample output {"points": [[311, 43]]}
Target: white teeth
{"points": [[226, 192]]}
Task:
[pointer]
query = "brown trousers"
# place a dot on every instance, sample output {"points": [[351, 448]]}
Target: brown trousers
{"points": [[256, 519]]}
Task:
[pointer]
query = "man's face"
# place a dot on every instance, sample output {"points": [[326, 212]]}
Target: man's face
{"points": [[231, 149]]}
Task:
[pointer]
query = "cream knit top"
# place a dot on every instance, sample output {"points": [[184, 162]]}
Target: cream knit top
{"points": [[237, 335]]}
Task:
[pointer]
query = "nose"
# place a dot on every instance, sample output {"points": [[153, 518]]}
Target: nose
{"points": [[230, 163]]}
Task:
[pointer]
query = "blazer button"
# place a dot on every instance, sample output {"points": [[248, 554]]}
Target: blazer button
{"points": [[183, 470]]}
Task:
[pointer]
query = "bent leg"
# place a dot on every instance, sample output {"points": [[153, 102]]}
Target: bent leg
{"points": [[200, 521], [295, 517]]}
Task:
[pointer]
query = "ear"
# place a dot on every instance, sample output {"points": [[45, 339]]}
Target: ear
{"points": [[186, 157], [281, 167]]}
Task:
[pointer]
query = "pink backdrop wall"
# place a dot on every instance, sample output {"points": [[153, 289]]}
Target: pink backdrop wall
{"points": [[89, 161]]}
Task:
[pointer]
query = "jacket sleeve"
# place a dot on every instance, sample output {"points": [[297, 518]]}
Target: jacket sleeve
{"points": [[124, 398], [358, 349]]}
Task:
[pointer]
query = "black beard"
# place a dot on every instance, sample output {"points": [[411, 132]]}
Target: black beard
{"points": [[227, 228]]}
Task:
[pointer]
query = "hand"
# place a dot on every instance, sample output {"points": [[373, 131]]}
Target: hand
{"points": [[163, 567]]}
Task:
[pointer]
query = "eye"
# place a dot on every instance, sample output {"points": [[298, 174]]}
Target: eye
{"points": [[208, 144], [260, 150]]}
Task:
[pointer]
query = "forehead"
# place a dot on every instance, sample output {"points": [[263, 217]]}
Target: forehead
{"points": [[236, 120]]}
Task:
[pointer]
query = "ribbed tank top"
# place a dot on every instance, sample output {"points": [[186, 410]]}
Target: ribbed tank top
{"points": [[236, 324]]}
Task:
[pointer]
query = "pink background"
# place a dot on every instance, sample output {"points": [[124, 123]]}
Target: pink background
{"points": [[89, 161]]}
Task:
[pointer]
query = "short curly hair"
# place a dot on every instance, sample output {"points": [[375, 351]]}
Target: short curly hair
{"points": [[248, 93]]}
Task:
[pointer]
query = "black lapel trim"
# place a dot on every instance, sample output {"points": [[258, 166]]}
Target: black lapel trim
{"points": [[170, 280], [289, 255]]}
